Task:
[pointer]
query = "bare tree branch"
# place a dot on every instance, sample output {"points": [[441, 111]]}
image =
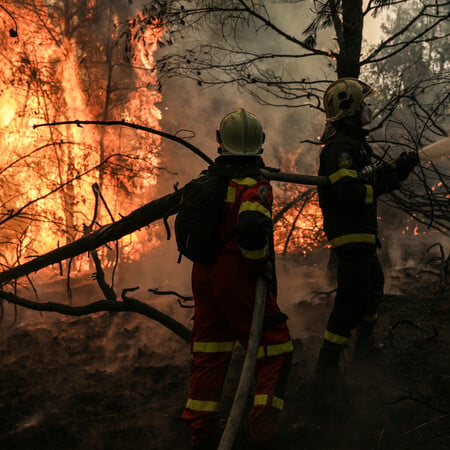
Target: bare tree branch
{"points": [[128, 305], [402, 44], [136, 127]]}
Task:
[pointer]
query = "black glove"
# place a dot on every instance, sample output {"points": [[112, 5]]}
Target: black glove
{"points": [[405, 164], [386, 180]]}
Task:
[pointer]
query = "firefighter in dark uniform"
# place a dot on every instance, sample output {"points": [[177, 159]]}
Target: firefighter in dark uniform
{"points": [[349, 207], [224, 293]]}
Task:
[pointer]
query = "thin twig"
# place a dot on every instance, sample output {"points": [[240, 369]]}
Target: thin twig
{"points": [[182, 297]]}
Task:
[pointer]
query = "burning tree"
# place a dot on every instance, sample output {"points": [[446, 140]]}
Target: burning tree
{"points": [[70, 60], [253, 45]]}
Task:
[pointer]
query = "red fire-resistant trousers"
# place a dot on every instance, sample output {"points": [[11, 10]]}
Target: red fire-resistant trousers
{"points": [[224, 295]]}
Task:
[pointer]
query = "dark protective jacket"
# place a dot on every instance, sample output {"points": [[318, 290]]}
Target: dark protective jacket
{"points": [[247, 225], [224, 296], [348, 204]]}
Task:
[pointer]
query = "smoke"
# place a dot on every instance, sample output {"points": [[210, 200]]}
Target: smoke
{"points": [[198, 111], [186, 105], [302, 288], [115, 339]]}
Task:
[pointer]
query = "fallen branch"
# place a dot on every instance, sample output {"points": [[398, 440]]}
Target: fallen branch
{"points": [[141, 217], [128, 305]]}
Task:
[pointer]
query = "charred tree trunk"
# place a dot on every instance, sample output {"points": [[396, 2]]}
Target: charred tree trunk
{"points": [[350, 46]]}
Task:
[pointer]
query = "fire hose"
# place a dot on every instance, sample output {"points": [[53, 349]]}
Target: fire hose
{"points": [[432, 152], [296, 178], [248, 368], [428, 153]]}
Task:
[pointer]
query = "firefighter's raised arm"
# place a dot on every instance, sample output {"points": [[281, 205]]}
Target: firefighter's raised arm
{"points": [[339, 164], [254, 221]]}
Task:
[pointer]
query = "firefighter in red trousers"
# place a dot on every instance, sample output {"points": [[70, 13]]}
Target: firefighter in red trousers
{"points": [[349, 207], [224, 293]]}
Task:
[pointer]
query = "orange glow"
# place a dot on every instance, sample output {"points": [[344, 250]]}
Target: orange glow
{"points": [[64, 66], [8, 108], [304, 231], [300, 228]]}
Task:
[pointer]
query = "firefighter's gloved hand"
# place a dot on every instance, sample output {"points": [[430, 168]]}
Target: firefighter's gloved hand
{"points": [[406, 163], [386, 180]]}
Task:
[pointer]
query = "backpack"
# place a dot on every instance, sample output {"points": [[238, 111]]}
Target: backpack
{"points": [[197, 224]]}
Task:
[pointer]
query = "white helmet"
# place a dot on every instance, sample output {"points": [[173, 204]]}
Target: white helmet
{"points": [[344, 97], [240, 133]]}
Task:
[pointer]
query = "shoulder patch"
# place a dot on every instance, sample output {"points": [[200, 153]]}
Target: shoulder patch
{"points": [[264, 193], [345, 160]]}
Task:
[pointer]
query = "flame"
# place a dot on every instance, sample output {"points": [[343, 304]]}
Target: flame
{"points": [[300, 228], [8, 108], [56, 70]]}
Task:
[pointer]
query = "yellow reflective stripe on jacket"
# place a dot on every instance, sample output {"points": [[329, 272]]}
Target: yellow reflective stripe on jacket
{"points": [[335, 338], [231, 191], [278, 403], [369, 194], [263, 400], [202, 405], [353, 238], [255, 254], [342, 173], [212, 347], [255, 206], [231, 194], [275, 350], [247, 181]]}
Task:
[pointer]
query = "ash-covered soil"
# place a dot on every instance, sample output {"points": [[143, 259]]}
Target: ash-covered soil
{"points": [[120, 381]]}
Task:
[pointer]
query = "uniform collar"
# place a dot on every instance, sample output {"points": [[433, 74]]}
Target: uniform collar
{"points": [[236, 166], [352, 130]]}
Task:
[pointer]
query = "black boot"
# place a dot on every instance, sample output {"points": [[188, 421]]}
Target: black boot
{"points": [[328, 362], [327, 375], [366, 346], [329, 393]]}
